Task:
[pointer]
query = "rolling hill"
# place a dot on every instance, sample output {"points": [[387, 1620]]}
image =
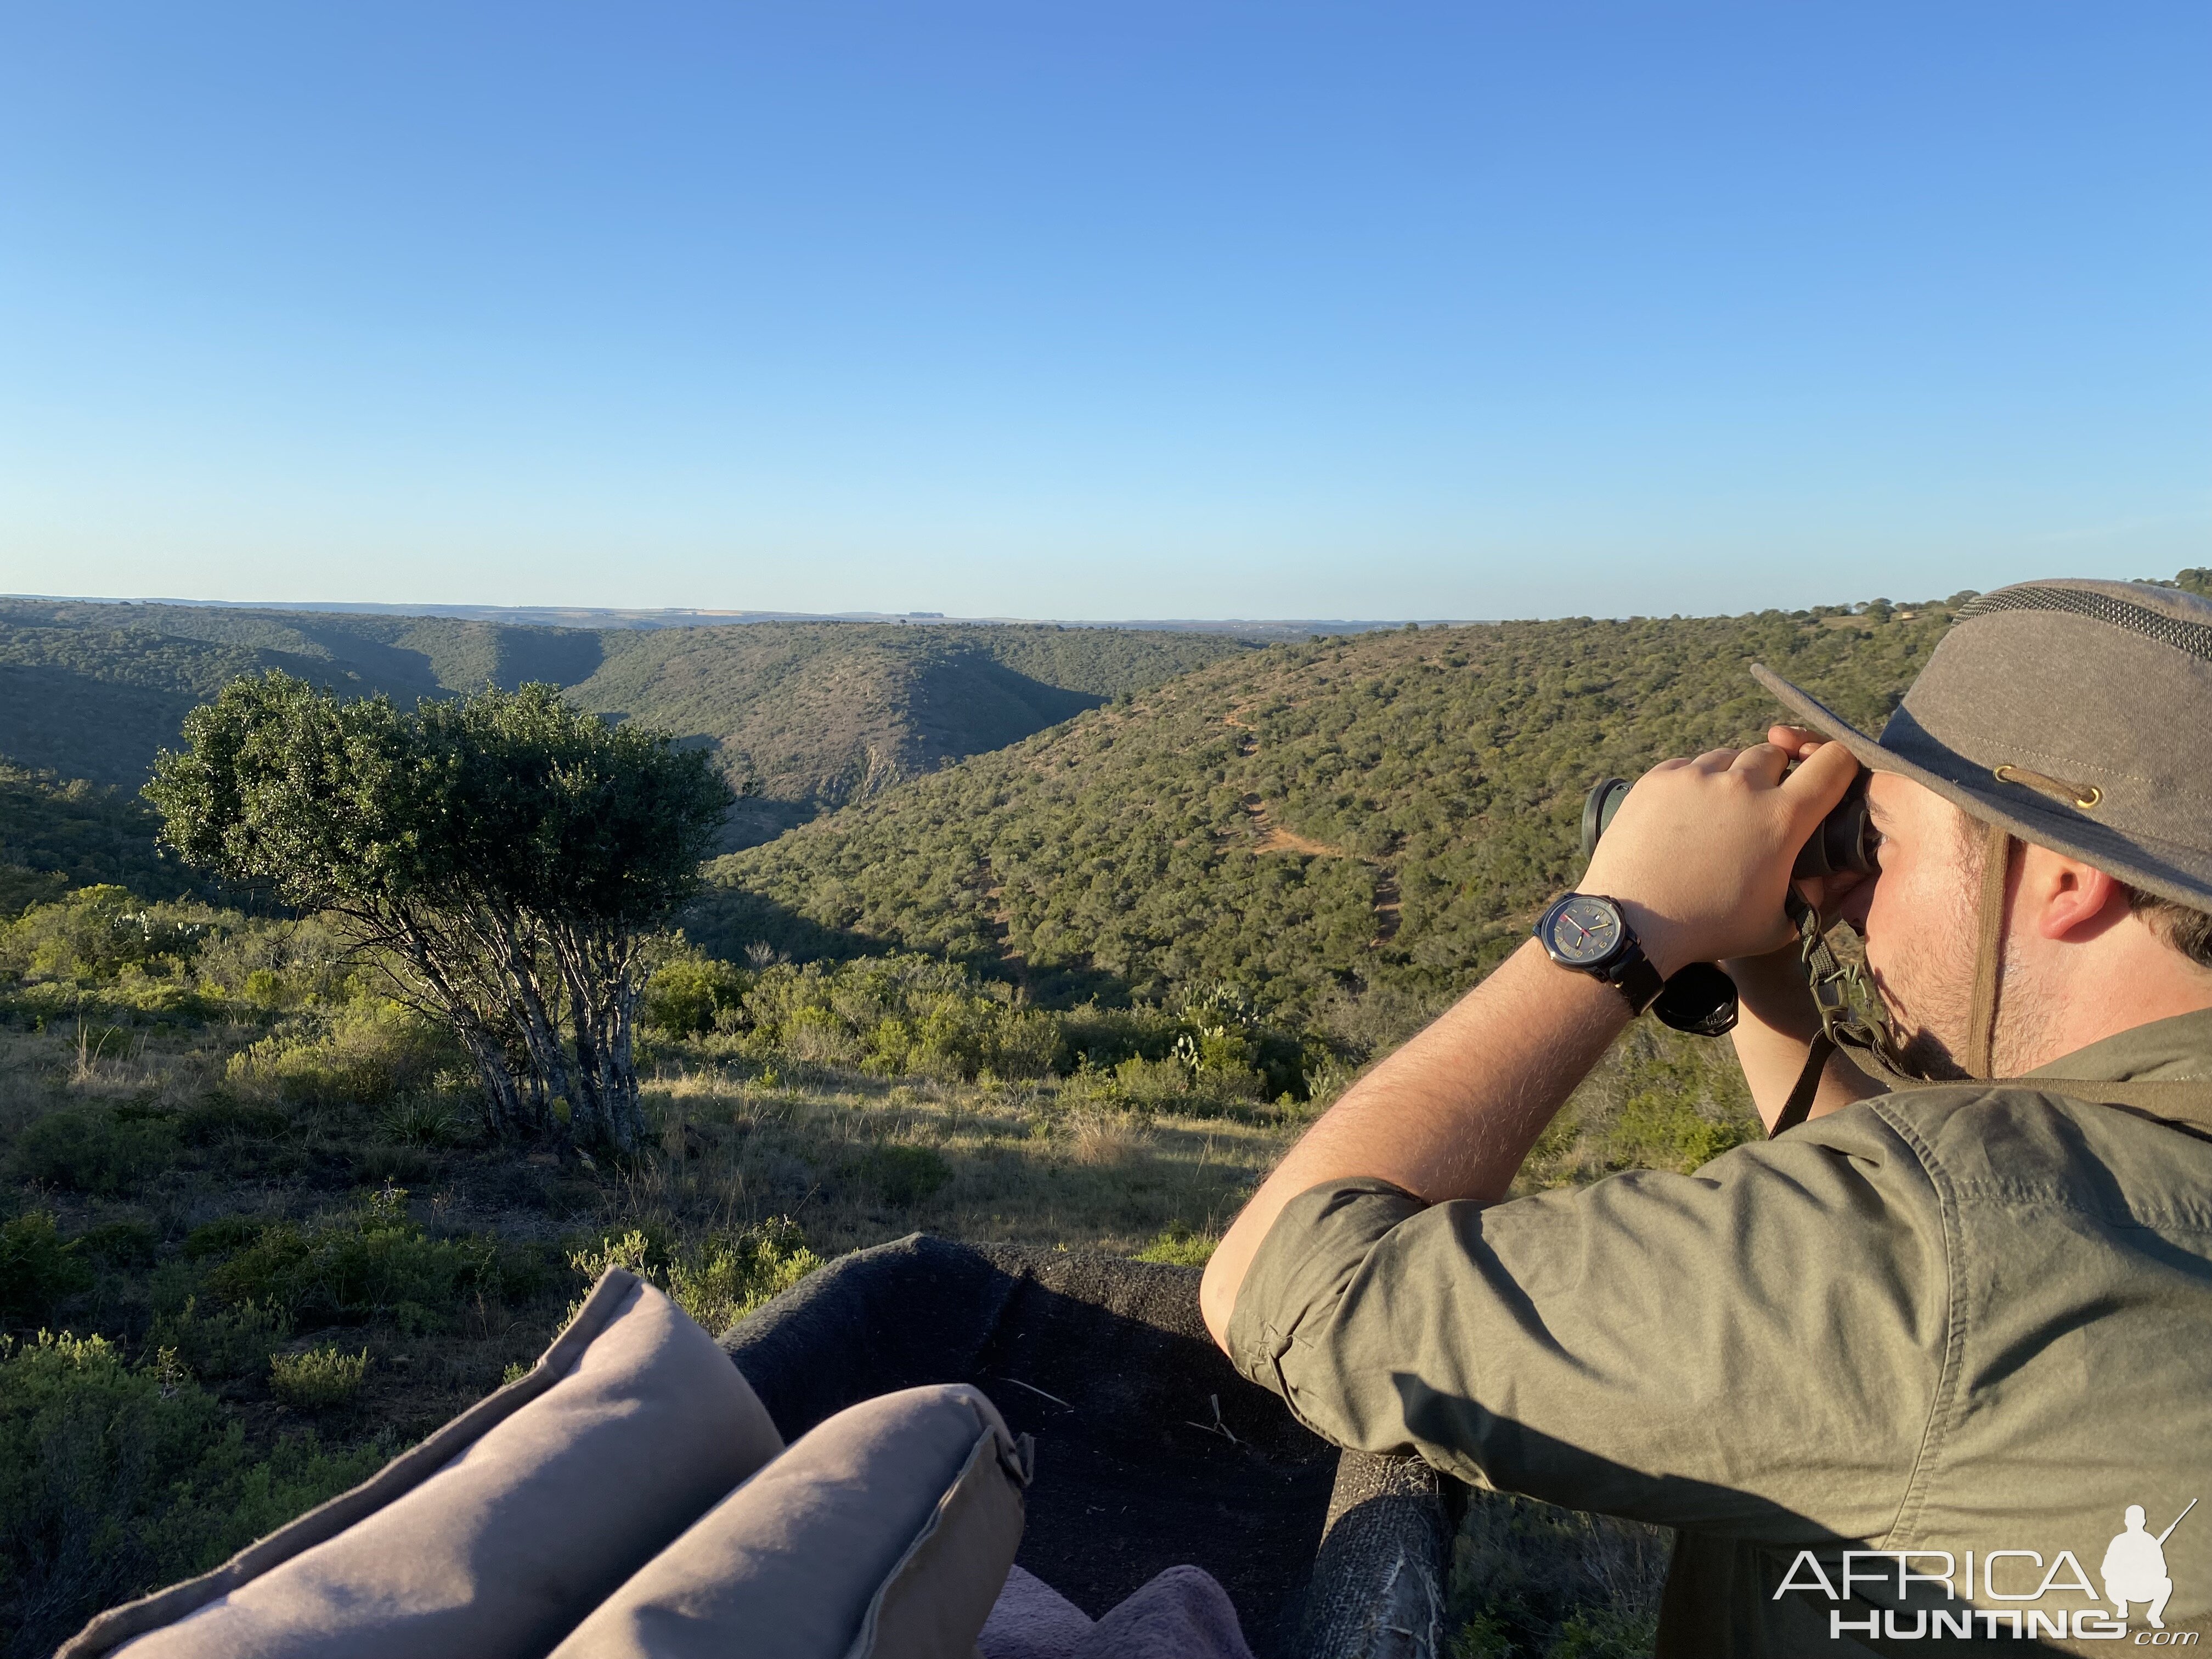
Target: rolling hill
{"points": [[800, 715], [1385, 810]]}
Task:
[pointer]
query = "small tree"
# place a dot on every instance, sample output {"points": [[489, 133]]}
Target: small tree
{"points": [[510, 856]]}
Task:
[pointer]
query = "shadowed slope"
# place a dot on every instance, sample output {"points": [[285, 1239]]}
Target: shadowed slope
{"points": [[1384, 809]]}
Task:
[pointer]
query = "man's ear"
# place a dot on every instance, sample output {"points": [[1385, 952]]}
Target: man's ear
{"points": [[2071, 900]]}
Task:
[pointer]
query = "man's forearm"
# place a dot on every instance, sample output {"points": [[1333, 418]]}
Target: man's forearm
{"points": [[1450, 1115]]}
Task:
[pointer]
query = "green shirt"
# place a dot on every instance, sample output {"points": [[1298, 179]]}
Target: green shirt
{"points": [[1952, 1320]]}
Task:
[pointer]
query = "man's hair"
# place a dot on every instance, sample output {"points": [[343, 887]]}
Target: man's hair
{"points": [[2187, 931]]}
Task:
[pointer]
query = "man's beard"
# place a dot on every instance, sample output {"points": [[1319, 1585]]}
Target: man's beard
{"points": [[1928, 988]]}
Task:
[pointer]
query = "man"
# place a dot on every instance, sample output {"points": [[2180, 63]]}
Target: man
{"points": [[2133, 1569], [1902, 1361]]}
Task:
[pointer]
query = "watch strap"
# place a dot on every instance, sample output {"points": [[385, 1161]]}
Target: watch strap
{"points": [[1634, 976]]}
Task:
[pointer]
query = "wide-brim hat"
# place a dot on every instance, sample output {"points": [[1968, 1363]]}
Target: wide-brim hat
{"points": [[2075, 714]]}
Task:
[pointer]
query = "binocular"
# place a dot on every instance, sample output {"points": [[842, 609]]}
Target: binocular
{"points": [[1844, 842], [1701, 999]]}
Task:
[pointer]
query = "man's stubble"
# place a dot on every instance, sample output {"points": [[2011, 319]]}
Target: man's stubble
{"points": [[1928, 980]]}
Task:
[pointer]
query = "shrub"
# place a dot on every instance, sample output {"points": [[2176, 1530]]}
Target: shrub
{"points": [[320, 1378], [691, 995], [895, 1016], [37, 1269], [220, 1342], [420, 1121], [116, 1479], [222, 1236], [905, 1176], [96, 935], [1104, 1138], [121, 1243], [1682, 1108], [370, 1051], [374, 1265], [219, 1118], [95, 1149], [718, 1279]]}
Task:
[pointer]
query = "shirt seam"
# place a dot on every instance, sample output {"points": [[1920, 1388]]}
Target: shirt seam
{"points": [[1914, 1499]]}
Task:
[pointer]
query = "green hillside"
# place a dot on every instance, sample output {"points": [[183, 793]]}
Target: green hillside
{"points": [[804, 716], [800, 715], [57, 835], [1306, 822]]}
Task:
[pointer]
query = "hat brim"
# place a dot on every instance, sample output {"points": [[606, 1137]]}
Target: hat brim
{"points": [[2018, 810]]}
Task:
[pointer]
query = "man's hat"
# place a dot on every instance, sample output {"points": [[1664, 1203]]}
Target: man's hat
{"points": [[2074, 715]]}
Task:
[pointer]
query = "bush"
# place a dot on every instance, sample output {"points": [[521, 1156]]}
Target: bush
{"points": [[320, 1378], [1682, 1106], [905, 1176], [691, 995], [221, 1236], [897, 1016], [220, 1343], [370, 1051], [95, 1149], [375, 1264], [718, 1279], [114, 1480], [37, 1269], [121, 1243], [96, 935]]}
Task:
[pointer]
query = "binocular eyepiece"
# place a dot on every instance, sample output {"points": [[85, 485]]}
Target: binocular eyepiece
{"points": [[1844, 840]]}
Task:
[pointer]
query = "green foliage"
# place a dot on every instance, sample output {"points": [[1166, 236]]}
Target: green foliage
{"points": [[54, 835], [114, 1480], [1181, 1246], [717, 1280], [96, 934], [318, 1378], [1532, 1582], [37, 1269], [1680, 1109], [904, 1175], [895, 1016], [1385, 812], [220, 1343], [121, 1244], [371, 1050], [96, 1149], [692, 994], [510, 852], [373, 1264]]}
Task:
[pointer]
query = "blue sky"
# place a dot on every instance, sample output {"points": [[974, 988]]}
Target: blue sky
{"points": [[1090, 311]]}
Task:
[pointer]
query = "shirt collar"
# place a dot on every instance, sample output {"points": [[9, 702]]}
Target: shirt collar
{"points": [[2178, 1047]]}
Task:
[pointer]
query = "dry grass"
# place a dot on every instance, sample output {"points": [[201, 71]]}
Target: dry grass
{"points": [[854, 1162]]}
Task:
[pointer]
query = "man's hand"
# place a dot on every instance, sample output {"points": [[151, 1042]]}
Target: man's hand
{"points": [[1699, 854]]}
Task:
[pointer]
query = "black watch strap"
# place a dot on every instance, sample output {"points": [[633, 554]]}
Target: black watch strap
{"points": [[1635, 978]]}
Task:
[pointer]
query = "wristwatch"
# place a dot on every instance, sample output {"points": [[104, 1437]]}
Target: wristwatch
{"points": [[1586, 932]]}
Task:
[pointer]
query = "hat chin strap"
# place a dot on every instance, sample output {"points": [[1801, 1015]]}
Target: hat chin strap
{"points": [[1989, 952], [2180, 1103], [1869, 1033]]}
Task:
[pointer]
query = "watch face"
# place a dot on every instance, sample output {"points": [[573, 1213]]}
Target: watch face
{"points": [[1585, 930]]}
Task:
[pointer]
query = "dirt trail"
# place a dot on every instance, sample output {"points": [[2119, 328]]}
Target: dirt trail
{"points": [[1273, 838]]}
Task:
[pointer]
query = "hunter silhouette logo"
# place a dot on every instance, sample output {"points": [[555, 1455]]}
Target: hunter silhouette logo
{"points": [[1999, 1592], [2133, 1569]]}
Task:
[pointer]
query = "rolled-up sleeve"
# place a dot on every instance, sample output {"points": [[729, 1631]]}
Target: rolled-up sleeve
{"points": [[1755, 1348]]}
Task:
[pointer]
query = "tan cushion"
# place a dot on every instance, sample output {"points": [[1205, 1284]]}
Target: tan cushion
{"points": [[496, 1534], [886, 1533]]}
